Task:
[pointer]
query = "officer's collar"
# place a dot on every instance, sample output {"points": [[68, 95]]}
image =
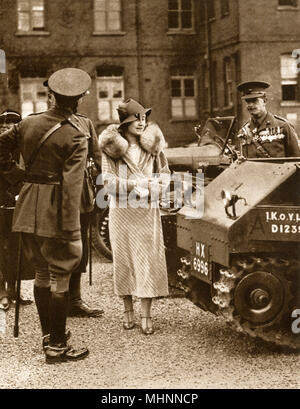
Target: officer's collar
{"points": [[262, 123], [62, 111]]}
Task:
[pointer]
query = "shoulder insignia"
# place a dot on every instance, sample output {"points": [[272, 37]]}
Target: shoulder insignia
{"points": [[285, 121], [281, 118], [77, 126], [36, 113], [72, 123]]}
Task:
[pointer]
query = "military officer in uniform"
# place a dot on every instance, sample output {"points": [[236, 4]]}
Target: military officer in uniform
{"points": [[47, 211], [77, 307], [265, 135]]}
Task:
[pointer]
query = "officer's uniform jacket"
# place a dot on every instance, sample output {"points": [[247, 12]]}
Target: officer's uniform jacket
{"points": [[94, 152], [274, 137], [48, 209]]}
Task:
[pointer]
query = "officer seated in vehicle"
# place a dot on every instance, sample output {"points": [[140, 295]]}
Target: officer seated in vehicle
{"points": [[265, 135]]}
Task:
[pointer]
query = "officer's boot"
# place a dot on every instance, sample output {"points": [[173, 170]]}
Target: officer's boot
{"points": [[77, 307], [58, 350], [42, 299]]}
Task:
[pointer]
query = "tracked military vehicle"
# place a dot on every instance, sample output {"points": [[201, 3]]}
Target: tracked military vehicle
{"points": [[242, 257]]}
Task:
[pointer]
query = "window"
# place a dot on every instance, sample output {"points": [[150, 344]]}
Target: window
{"points": [[2, 61], [288, 3], [181, 15], [228, 82], [205, 87], [107, 15], [183, 93], [110, 92], [224, 8], [289, 78], [31, 15], [34, 96]]}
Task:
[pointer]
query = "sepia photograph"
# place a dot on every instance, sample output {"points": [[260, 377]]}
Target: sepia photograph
{"points": [[149, 197]]}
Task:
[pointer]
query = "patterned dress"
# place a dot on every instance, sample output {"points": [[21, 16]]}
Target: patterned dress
{"points": [[136, 233]]}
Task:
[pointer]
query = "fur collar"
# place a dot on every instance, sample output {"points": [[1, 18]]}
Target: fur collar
{"points": [[115, 145]]}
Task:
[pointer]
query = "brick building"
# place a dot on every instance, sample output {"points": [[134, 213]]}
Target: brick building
{"points": [[255, 39], [183, 58]]}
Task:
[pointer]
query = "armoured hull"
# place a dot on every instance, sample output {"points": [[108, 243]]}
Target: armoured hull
{"points": [[243, 255]]}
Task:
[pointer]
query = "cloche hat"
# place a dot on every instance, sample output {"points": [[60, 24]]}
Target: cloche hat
{"points": [[130, 110]]}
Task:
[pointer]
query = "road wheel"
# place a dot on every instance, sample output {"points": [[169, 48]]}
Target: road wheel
{"points": [[258, 295]]}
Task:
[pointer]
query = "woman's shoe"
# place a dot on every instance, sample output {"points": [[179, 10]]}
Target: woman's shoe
{"points": [[147, 327], [4, 303], [128, 322]]}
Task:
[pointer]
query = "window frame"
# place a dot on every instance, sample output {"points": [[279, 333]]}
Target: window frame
{"points": [[180, 29], [288, 6], [286, 81], [107, 10], [182, 77], [228, 82], [30, 13], [111, 79], [35, 82]]}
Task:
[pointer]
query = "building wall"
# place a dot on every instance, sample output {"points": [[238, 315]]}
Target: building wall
{"points": [[224, 43], [263, 21], [68, 41], [69, 31], [160, 50], [268, 33], [225, 29], [145, 50], [254, 34]]}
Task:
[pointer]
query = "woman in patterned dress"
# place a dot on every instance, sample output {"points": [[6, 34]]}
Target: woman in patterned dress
{"points": [[132, 153]]}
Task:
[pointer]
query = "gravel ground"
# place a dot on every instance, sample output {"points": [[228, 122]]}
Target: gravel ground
{"points": [[190, 349]]}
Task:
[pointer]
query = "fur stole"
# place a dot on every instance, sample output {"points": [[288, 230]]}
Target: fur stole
{"points": [[115, 145]]}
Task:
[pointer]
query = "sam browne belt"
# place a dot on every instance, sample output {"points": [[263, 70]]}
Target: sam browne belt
{"points": [[43, 179]]}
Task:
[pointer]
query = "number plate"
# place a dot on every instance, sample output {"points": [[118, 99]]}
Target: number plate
{"points": [[201, 267]]}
